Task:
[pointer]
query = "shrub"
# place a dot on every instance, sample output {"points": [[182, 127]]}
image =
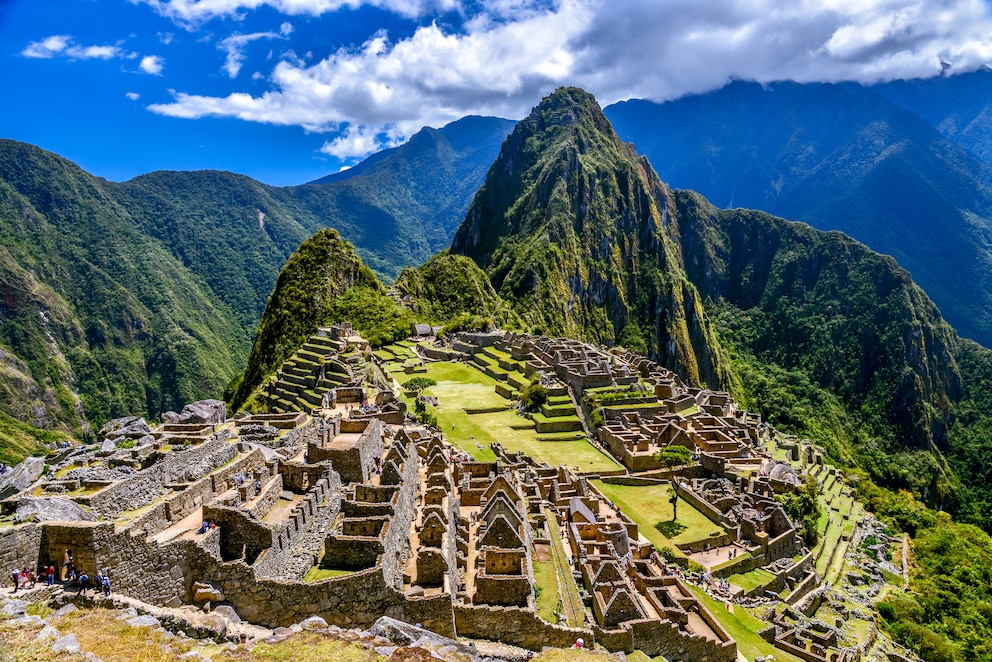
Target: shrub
{"points": [[533, 396]]}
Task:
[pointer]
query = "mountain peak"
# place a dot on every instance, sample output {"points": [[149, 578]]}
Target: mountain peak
{"points": [[569, 227]]}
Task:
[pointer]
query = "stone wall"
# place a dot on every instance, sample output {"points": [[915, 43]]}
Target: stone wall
{"points": [[138, 567], [270, 494], [355, 600], [513, 625], [147, 485], [240, 535], [19, 546], [355, 464], [664, 638]]}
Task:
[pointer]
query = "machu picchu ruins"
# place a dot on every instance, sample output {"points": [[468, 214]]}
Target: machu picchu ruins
{"points": [[336, 502]]}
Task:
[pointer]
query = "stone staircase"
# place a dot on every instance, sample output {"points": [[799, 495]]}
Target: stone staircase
{"points": [[299, 386]]}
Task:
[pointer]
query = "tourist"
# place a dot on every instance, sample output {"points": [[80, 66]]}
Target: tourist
{"points": [[204, 527], [84, 581], [50, 574], [31, 578], [258, 485], [579, 643], [17, 578]]}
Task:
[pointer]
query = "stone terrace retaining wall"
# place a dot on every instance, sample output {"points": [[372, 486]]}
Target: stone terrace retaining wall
{"points": [[19, 547], [146, 486], [355, 600], [194, 495], [296, 550], [514, 625]]}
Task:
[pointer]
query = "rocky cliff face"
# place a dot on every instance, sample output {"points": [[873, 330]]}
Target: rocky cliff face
{"points": [[570, 227], [851, 319]]}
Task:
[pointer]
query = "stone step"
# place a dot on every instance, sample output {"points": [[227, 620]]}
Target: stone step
{"points": [[313, 358], [311, 398], [305, 382]]}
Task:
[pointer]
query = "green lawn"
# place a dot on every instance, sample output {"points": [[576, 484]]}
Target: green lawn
{"points": [[743, 627], [460, 386], [315, 574], [647, 505], [545, 578], [751, 580]]}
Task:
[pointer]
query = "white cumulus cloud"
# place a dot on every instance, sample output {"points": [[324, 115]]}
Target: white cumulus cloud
{"points": [[502, 59], [190, 13], [234, 46], [133, 96], [65, 46], [152, 64]]}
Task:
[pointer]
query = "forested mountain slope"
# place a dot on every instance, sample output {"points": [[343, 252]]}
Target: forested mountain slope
{"points": [[838, 160]]}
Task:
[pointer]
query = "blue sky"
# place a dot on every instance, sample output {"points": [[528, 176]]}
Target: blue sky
{"points": [[289, 90]]}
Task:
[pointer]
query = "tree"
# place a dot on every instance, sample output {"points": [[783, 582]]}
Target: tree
{"points": [[674, 456], [804, 509], [533, 396], [418, 384]]}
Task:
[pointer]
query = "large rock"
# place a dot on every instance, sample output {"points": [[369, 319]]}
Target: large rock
{"points": [[67, 644], [51, 509], [403, 634], [227, 611], [117, 424], [134, 430], [206, 593], [21, 477], [204, 411], [143, 621]]}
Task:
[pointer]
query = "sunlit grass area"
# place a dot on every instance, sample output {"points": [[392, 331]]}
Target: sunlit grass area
{"points": [[649, 505], [461, 386]]}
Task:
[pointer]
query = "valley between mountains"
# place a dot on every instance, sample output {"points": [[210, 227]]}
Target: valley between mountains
{"points": [[837, 429]]}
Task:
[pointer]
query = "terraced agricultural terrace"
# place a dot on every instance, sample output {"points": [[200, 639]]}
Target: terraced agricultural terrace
{"points": [[493, 522]]}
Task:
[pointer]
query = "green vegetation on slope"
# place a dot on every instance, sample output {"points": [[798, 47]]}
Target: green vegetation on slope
{"points": [[570, 229], [447, 287], [102, 320], [947, 616], [323, 282]]}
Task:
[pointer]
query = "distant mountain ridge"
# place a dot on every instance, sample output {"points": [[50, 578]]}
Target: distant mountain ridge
{"points": [[150, 290], [838, 160]]}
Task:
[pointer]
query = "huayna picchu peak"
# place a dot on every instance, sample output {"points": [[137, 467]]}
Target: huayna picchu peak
{"points": [[570, 228], [610, 415]]}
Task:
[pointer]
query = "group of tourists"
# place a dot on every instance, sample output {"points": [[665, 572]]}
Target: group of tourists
{"points": [[27, 578]]}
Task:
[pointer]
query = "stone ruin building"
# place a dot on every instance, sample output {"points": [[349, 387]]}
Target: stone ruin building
{"points": [[352, 512]]}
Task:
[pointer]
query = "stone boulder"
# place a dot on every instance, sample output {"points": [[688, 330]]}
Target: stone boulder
{"points": [[204, 411], [21, 477], [51, 509], [134, 430], [66, 644], [203, 592], [117, 424], [144, 621], [405, 635], [170, 418], [227, 611]]}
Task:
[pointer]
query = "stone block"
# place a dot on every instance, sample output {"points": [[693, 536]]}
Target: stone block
{"points": [[48, 633], [66, 644], [144, 621]]}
